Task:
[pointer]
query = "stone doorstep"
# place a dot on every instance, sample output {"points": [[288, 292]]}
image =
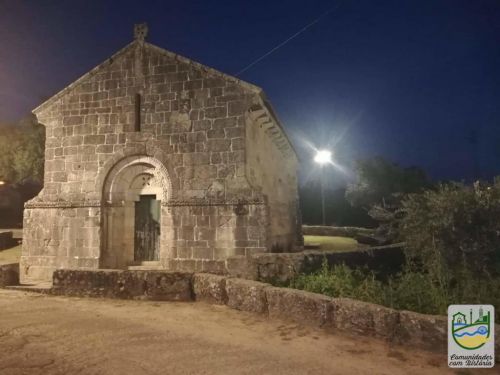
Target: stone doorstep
{"points": [[146, 268], [42, 288], [312, 246], [152, 265]]}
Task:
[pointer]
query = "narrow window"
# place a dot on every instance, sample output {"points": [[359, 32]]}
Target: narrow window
{"points": [[137, 122]]}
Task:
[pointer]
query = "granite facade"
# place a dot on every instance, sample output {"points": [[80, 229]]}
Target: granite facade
{"points": [[147, 121]]}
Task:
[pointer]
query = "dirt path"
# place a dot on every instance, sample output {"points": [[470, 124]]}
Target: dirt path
{"points": [[59, 335]]}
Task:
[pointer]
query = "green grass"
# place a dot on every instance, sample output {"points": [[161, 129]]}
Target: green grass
{"points": [[333, 243], [11, 255]]}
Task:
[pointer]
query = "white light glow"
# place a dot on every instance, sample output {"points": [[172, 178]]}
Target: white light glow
{"points": [[323, 157]]}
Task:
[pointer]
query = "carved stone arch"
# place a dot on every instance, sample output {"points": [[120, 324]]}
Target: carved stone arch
{"points": [[117, 178], [130, 180], [121, 160]]}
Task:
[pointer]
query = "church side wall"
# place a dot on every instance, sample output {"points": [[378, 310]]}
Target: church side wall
{"points": [[276, 176]]}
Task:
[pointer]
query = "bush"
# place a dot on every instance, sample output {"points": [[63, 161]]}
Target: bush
{"points": [[454, 228], [452, 236], [341, 281], [408, 290]]}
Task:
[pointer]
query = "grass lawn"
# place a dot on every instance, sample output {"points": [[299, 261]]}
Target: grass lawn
{"points": [[333, 243], [11, 255]]}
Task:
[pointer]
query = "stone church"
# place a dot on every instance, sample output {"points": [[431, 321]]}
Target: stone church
{"points": [[156, 161]]}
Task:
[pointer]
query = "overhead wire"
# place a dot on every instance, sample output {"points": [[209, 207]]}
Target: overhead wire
{"points": [[315, 21]]}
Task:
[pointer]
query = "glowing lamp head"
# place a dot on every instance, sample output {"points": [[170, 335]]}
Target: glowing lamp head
{"points": [[2, 183], [323, 157]]}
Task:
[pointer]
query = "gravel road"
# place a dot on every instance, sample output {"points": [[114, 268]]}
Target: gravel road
{"points": [[60, 335]]}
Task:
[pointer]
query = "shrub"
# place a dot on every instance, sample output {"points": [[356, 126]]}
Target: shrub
{"points": [[341, 281], [452, 236], [409, 290], [454, 229]]}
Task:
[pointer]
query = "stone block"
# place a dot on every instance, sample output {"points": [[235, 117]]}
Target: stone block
{"points": [[202, 252], [147, 285], [94, 139], [246, 295], [364, 318], [214, 82], [215, 112], [209, 288], [225, 123], [217, 267], [237, 144], [6, 240], [217, 145], [196, 158], [427, 332], [237, 108], [9, 274], [277, 267], [240, 266], [300, 307]]}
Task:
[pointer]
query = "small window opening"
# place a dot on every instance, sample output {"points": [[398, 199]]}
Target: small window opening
{"points": [[137, 122]]}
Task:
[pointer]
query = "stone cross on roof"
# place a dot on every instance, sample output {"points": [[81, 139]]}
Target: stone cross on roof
{"points": [[140, 31]]}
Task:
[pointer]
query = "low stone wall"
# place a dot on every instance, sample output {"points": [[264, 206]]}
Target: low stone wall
{"points": [[146, 285], [9, 274], [321, 230], [6, 240], [272, 267], [427, 332]]}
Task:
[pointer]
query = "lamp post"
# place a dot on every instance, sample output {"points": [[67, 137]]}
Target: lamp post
{"points": [[323, 157]]}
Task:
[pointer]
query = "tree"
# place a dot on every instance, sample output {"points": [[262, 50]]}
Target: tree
{"points": [[380, 182], [453, 228], [22, 156]]}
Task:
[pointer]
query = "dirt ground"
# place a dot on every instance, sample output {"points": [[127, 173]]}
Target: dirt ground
{"points": [[60, 335]]}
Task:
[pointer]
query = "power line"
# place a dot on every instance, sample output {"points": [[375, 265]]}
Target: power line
{"points": [[290, 38]]}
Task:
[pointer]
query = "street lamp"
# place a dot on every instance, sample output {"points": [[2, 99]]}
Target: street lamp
{"points": [[323, 157]]}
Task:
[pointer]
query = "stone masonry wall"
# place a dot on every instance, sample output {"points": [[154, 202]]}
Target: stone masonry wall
{"points": [[277, 181], [207, 235], [191, 120], [59, 238]]}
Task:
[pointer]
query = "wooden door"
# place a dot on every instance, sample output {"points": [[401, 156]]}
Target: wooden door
{"points": [[147, 229]]}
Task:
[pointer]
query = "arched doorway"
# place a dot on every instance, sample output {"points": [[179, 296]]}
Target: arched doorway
{"points": [[134, 220]]}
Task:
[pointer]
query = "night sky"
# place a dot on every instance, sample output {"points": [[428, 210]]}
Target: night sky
{"points": [[417, 82]]}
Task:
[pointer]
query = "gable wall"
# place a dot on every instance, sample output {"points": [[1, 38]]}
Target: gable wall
{"points": [[191, 120]]}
